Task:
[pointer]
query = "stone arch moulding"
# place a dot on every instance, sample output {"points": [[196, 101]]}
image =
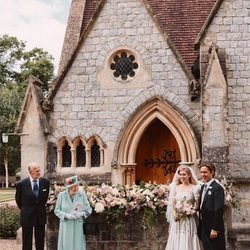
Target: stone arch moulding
{"points": [[73, 148], [76, 141], [60, 144], [100, 143], [97, 138], [62, 140], [155, 109]]}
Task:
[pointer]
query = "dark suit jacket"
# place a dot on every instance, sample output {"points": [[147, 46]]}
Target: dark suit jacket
{"points": [[211, 217], [33, 210], [213, 207]]}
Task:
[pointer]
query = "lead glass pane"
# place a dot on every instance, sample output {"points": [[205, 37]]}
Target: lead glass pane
{"points": [[95, 155], [66, 155], [80, 155]]}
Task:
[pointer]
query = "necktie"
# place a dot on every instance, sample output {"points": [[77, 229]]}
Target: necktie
{"points": [[35, 188], [203, 194], [204, 190]]}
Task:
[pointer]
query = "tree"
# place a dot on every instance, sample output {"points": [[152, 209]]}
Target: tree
{"points": [[11, 96], [16, 64], [38, 63], [11, 51]]}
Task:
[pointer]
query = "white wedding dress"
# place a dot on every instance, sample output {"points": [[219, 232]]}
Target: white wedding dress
{"points": [[183, 233]]}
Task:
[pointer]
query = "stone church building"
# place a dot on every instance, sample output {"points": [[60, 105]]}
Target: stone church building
{"points": [[143, 85]]}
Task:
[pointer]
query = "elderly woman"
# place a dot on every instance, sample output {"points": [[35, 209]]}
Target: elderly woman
{"points": [[72, 208]]}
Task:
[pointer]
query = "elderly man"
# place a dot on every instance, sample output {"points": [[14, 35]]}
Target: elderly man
{"points": [[31, 197]]}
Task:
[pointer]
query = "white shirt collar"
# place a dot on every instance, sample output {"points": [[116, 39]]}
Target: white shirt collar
{"points": [[31, 181], [209, 183]]}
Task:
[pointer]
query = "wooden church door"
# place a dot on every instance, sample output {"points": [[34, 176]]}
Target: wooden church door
{"points": [[157, 155]]}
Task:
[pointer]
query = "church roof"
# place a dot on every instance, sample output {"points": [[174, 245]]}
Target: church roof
{"points": [[183, 22]]}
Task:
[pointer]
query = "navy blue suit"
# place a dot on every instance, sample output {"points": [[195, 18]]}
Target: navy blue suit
{"points": [[211, 217], [33, 211]]}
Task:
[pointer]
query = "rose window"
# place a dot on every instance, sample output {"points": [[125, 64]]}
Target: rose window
{"points": [[124, 66]]}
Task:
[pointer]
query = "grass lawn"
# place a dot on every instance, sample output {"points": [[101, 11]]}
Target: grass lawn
{"points": [[7, 194]]}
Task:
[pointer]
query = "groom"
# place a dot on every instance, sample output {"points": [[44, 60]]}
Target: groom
{"points": [[211, 224]]}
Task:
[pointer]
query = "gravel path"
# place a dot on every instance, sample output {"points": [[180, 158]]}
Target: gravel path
{"points": [[10, 244], [12, 203]]}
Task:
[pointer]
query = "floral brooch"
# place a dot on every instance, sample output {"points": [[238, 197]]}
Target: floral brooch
{"points": [[209, 190]]}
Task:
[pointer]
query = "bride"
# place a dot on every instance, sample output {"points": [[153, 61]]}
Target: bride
{"points": [[181, 210]]}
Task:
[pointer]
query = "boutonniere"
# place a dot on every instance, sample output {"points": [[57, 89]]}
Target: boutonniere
{"points": [[209, 193], [210, 187]]}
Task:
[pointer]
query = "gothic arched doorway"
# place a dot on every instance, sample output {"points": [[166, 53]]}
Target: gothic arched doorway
{"points": [[157, 155], [154, 115]]}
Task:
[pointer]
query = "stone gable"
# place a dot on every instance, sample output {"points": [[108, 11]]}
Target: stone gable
{"points": [[85, 104]]}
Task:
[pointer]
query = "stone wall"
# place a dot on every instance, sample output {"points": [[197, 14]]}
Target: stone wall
{"points": [[34, 142], [132, 237], [229, 30], [91, 101]]}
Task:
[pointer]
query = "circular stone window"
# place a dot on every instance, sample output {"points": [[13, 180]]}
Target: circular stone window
{"points": [[123, 65]]}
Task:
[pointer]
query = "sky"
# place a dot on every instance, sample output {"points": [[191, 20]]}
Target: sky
{"points": [[41, 23]]}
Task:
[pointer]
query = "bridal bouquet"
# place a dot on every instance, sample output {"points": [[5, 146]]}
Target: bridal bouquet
{"points": [[183, 209]]}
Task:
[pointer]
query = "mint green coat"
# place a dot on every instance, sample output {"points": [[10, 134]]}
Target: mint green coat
{"points": [[71, 235]]}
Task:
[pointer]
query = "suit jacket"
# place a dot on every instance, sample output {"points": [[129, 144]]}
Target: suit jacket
{"points": [[212, 208], [33, 210]]}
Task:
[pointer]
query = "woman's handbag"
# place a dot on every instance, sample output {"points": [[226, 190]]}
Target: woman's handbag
{"points": [[90, 228]]}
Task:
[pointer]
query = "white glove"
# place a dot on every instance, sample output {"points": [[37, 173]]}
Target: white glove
{"points": [[70, 216], [78, 215]]}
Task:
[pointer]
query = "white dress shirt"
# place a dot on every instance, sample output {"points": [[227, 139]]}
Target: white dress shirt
{"points": [[32, 182]]}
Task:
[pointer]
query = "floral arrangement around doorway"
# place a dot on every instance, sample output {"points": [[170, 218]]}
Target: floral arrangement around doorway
{"points": [[121, 202]]}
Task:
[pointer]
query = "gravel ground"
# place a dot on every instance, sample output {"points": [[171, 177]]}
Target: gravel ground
{"points": [[10, 244], [12, 203]]}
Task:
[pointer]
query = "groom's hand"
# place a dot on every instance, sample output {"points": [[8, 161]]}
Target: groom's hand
{"points": [[213, 234]]}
